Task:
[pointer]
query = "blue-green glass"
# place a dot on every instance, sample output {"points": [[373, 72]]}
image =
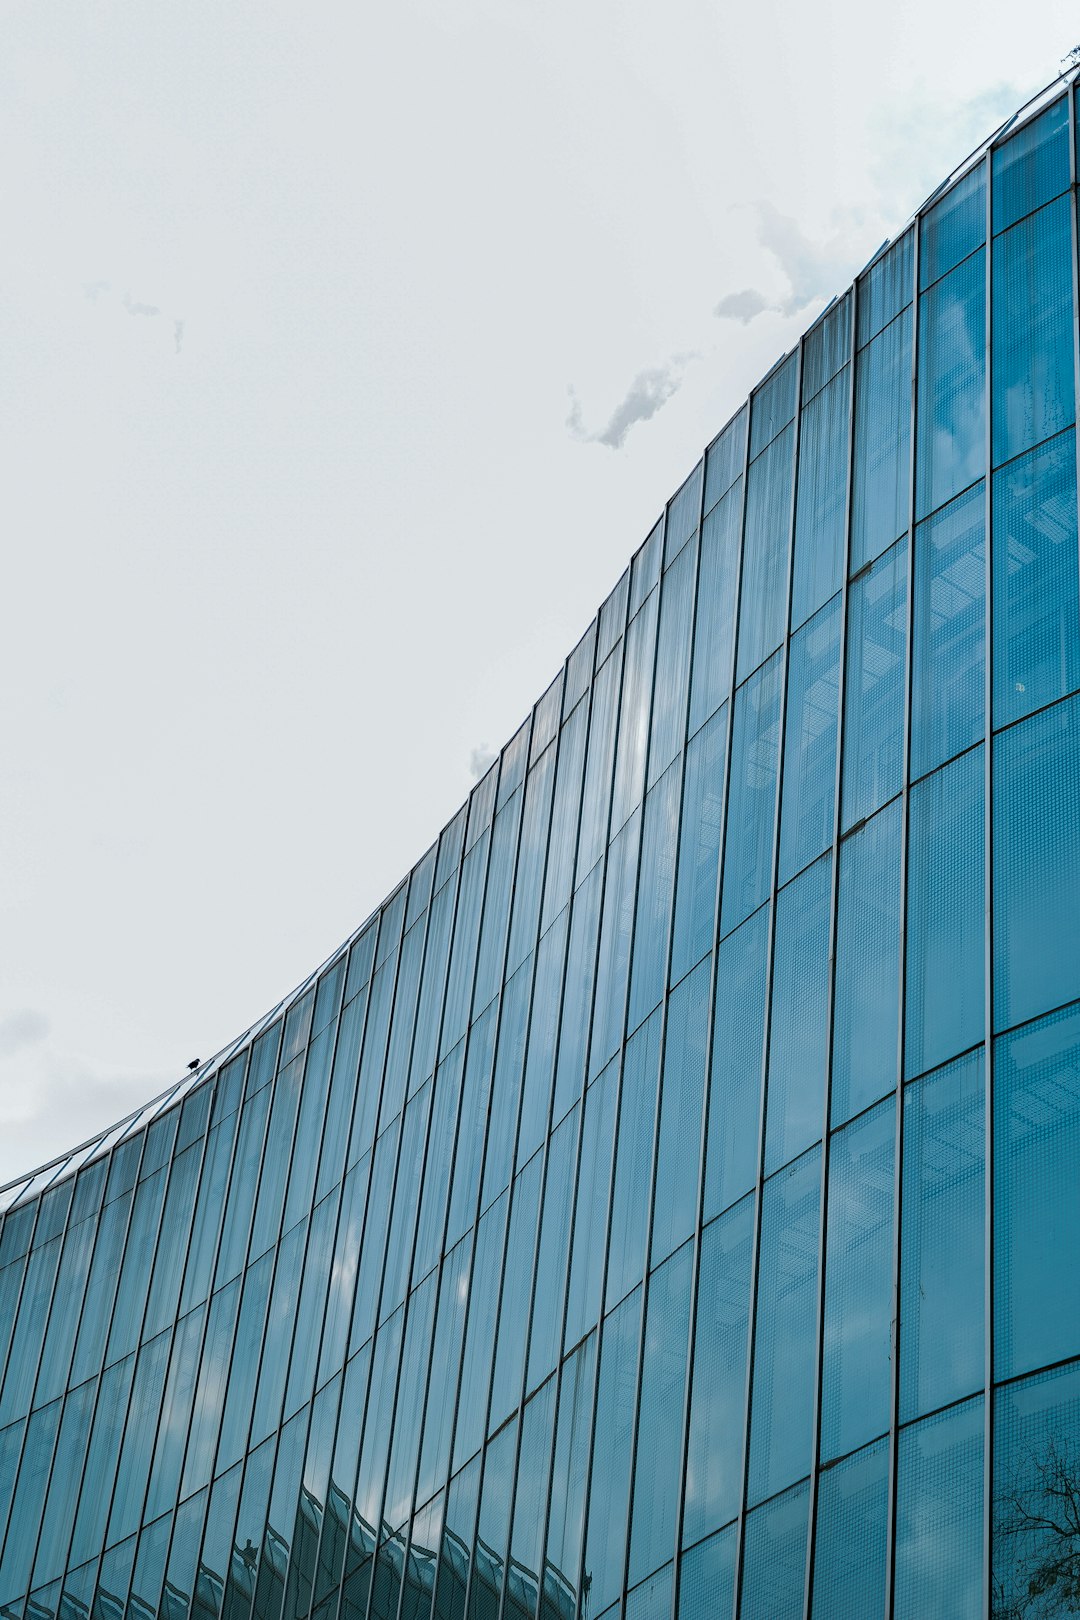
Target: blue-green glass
{"points": [[1035, 1470], [874, 691], [566, 1515], [645, 567], [566, 807], [808, 801], [798, 1044], [766, 542], [1032, 166], [939, 1515], [713, 1487], [674, 638], [577, 993], [821, 498], [885, 289], [781, 1411], [682, 515], [699, 845], [948, 682], [731, 1156], [513, 1326], [599, 763], [942, 1280], [531, 853], [882, 471], [1032, 331], [1035, 585], [827, 346], [724, 458], [633, 1160], [678, 1139], [774, 1558], [1036, 1194], [609, 1494], [635, 707], [553, 1253], [658, 1469], [591, 1207], [483, 1302], [856, 1379], [616, 944], [772, 405], [656, 895], [954, 227], [707, 1578], [751, 820], [714, 624], [950, 447], [543, 1034], [851, 1535], [530, 1505], [866, 1011], [946, 948], [1035, 872]]}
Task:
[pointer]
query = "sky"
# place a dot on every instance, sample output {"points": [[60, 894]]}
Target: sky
{"points": [[348, 353]]}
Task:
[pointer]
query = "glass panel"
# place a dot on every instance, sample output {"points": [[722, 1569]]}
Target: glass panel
{"points": [[885, 289], [1036, 612], [1036, 1469], [1036, 1194], [1036, 875], [939, 1514], [616, 941], [950, 450], [634, 710], [567, 1509], [946, 954], [656, 893], [731, 1159], [781, 1423], [772, 405], [821, 501], [810, 730], [714, 627], [748, 844], [774, 1558], [591, 1208], [1032, 166], [1032, 331], [707, 1578], [668, 728], [954, 227], [763, 598], [882, 442], [658, 1472], [866, 1016], [633, 1161], [948, 686], [682, 515], [717, 1413], [614, 1436], [798, 1046], [874, 695], [827, 346], [679, 1131], [856, 1384], [724, 458], [852, 1527], [941, 1252], [699, 846]]}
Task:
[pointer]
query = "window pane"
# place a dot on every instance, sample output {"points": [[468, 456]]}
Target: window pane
{"points": [[724, 459], [813, 703], [939, 1516], [609, 1493], [658, 1473], [1036, 614], [950, 451], [763, 598], [781, 1421], [852, 1525], [865, 1026], [679, 1131], [714, 631], [1036, 874], [874, 696], [731, 1161], [941, 1251], [774, 1558], [857, 1374], [707, 1578], [946, 966], [699, 845], [798, 1048], [717, 1412], [948, 687], [752, 808], [1032, 330], [882, 469], [1036, 1469], [954, 227], [821, 503], [1036, 1194], [1032, 166]]}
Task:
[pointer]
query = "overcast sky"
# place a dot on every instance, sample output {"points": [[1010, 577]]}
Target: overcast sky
{"points": [[348, 352]]}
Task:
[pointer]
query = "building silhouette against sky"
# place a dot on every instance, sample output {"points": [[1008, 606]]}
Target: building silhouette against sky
{"points": [[668, 1203]]}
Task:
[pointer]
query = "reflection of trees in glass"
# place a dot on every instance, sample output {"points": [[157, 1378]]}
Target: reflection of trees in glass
{"points": [[1037, 1536]]}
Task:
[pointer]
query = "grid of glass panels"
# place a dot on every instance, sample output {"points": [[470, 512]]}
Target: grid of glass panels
{"points": [[666, 1205]]}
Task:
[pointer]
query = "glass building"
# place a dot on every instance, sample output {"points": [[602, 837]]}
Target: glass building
{"points": [[667, 1205]]}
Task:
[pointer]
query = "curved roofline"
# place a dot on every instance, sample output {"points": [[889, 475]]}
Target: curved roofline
{"points": [[30, 1183]]}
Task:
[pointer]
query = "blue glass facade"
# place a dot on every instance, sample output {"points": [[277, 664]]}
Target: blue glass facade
{"points": [[666, 1205]]}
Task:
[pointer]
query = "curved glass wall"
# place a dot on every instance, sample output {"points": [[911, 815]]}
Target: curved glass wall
{"points": [[666, 1204]]}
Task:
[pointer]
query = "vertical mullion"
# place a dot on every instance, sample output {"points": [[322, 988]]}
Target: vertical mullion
{"points": [[905, 833], [834, 896], [988, 915], [721, 863]]}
